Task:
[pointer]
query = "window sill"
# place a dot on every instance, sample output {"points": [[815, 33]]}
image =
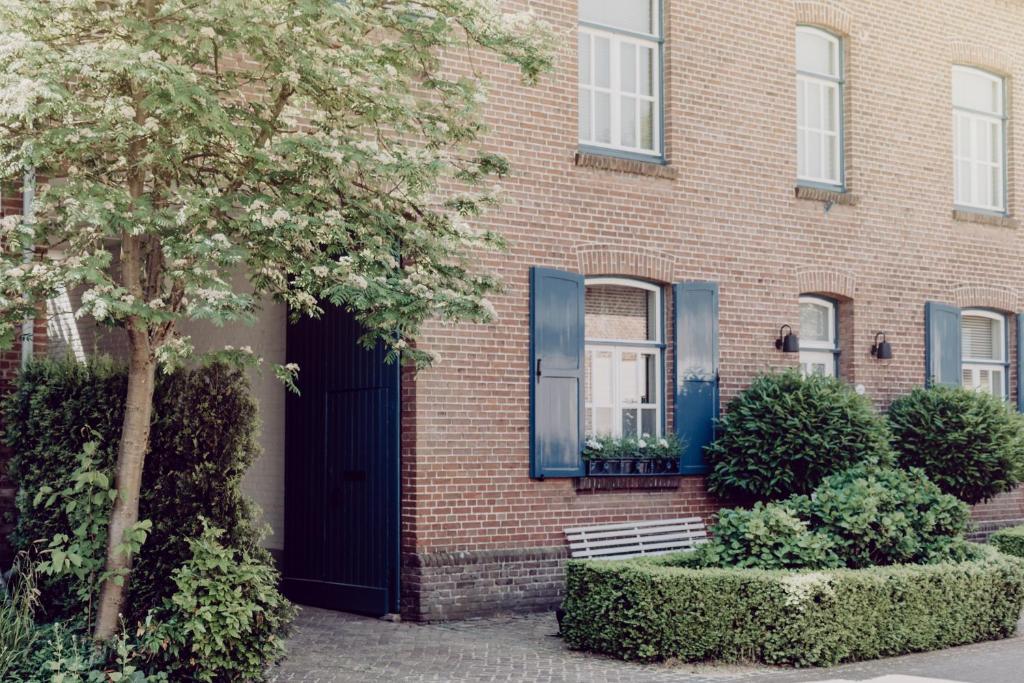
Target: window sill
{"points": [[818, 194], [604, 162], [979, 217], [628, 482]]}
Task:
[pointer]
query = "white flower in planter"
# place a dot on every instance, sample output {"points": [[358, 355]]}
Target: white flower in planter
{"points": [[641, 444], [663, 442], [594, 444]]}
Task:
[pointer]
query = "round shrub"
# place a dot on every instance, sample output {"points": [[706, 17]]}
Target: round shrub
{"points": [[785, 433], [879, 516], [970, 444]]}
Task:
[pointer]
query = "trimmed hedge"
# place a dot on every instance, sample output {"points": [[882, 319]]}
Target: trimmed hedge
{"points": [[1009, 540], [647, 609]]}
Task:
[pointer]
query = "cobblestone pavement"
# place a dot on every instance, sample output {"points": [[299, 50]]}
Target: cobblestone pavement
{"points": [[343, 648]]}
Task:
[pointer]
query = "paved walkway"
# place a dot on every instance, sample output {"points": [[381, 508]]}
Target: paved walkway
{"points": [[342, 648]]}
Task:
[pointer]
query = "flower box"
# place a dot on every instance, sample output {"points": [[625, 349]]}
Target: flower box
{"points": [[632, 467]]}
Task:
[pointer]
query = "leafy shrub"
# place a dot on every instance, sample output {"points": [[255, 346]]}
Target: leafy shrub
{"points": [[767, 537], [863, 517], [18, 632], [878, 516], [1009, 541], [202, 441], [785, 433], [647, 609], [970, 444], [225, 621]]}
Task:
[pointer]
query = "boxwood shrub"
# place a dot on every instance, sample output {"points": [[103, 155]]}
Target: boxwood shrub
{"points": [[969, 443], [647, 609], [1009, 541], [785, 433]]}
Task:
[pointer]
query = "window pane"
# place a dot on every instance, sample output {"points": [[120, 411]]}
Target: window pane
{"points": [[817, 52], [603, 421], [602, 62], [601, 378], [583, 57], [585, 113], [647, 125], [981, 337], [627, 67], [629, 422], [649, 422], [634, 15], [973, 89], [647, 71], [832, 158], [830, 118], [963, 182], [629, 386], [998, 385], [814, 322], [619, 312], [813, 155], [602, 117], [627, 121], [814, 105], [649, 389]]}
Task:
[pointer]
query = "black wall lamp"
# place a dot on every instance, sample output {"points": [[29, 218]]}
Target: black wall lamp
{"points": [[790, 343], [882, 350]]}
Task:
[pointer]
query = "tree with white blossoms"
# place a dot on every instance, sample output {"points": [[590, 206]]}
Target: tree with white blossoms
{"points": [[304, 143]]}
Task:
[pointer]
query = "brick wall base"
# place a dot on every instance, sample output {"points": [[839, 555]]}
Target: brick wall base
{"points": [[458, 585]]}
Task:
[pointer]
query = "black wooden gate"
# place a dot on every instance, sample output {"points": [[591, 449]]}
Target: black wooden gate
{"points": [[341, 471]]}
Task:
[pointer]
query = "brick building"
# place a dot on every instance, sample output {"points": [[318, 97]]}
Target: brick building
{"points": [[692, 177]]}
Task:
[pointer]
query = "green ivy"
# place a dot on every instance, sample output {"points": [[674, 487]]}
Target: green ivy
{"points": [[969, 443], [651, 609], [785, 433]]}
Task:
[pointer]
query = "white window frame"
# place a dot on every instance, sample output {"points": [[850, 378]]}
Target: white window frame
{"points": [[827, 82], [975, 365], [813, 350], [655, 347], [975, 118], [617, 37]]}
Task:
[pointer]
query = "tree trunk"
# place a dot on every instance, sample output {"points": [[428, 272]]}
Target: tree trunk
{"points": [[131, 455]]}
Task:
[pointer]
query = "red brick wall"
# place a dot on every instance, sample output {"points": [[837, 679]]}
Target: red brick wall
{"points": [[724, 209]]}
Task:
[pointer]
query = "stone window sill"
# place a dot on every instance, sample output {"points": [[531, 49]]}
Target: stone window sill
{"points": [[634, 166], [828, 196], [984, 218]]}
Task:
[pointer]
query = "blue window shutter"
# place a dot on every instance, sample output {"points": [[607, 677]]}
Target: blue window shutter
{"points": [[556, 373], [942, 355], [1020, 362], [696, 370]]}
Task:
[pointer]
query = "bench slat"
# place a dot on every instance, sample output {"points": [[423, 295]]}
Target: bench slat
{"points": [[645, 532], [633, 525], [635, 551], [632, 540]]}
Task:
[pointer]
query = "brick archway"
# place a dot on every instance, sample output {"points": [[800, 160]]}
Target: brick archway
{"points": [[638, 262], [981, 56], [982, 296], [826, 281], [825, 15]]}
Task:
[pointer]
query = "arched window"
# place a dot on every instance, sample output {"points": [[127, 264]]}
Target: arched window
{"points": [[979, 135], [985, 363], [819, 336], [624, 365], [819, 95]]}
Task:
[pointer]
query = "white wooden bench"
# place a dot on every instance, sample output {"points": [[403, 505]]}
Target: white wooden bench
{"points": [[633, 539]]}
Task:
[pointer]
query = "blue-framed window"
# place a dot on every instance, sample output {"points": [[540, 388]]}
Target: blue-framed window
{"points": [[985, 362], [624, 367], [819, 95], [620, 77], [979, 140], [819, 336]]}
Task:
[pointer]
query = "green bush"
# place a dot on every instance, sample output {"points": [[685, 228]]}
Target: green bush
{"points": [[648, 610], [863, 517], [202, 441], [970, 444], [785, 433], [768, 536], [226, 619], [878, 516], [1009, 541]]}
